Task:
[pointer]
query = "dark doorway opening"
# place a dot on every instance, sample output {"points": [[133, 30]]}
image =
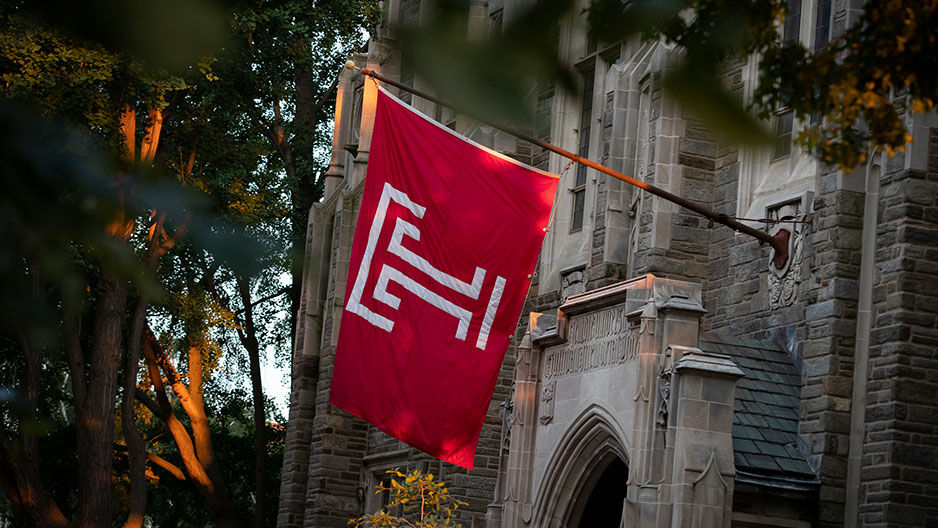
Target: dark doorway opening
{"points": [[603, 508]]}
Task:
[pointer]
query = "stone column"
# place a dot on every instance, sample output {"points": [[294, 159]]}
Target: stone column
{"points": [[523, 424], [339, 439], [671, 316], [304, 376], [702, 422], [641, 508], [344, 102]]}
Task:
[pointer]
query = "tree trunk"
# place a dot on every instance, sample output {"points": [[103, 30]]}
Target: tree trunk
{"points": [[21, 485], [19, 471], [136, 449], [251, 344], [95, 419], [198, 420], [303, 187]]}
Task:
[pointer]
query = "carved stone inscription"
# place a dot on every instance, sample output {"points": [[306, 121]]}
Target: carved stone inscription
{"points": [[595, 340]]}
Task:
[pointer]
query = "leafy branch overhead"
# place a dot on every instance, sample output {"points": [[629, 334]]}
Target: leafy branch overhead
{"points": [[850, 92], [160, 160], [849, 85]]}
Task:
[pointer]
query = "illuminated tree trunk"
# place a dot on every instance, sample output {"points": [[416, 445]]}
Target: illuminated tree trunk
{"points": [[136, 449], [197, 456]]}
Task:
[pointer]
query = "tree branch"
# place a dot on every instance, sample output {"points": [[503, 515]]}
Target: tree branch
{"points": [[264, 299], [144, 398], [213, 492], [171, 468]]}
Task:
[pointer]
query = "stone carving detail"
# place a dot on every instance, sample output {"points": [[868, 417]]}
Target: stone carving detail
{"points": [[664, 392], [546, 404], [595, 340], [709, 496], [508, 407], [783, 283]]}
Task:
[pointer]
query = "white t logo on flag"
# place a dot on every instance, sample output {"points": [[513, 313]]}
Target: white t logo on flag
{"points": [[390, 274]]}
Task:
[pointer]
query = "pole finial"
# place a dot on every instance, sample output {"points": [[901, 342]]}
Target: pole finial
{"points": [[350, 64]]}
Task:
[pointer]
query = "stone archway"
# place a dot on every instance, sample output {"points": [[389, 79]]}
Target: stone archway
{"points": [[591, 446], [599, 504]]}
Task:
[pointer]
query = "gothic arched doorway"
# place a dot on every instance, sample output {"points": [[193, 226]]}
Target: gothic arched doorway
{"points": [[591, 450], [599, 504]]}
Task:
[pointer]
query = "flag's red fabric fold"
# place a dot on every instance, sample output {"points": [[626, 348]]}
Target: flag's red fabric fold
{"points": [[447, 237]]}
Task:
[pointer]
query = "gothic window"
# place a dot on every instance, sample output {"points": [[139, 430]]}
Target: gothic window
{"points": [[784, 121], [822, 27], [410, 11], [383, 493], [793, 21], [377, 480], [780, 171], [409, 14], [583, 147]]}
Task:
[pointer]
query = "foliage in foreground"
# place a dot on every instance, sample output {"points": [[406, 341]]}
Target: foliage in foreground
{"points": [[150, 176], [421, 501], [852, 93]]}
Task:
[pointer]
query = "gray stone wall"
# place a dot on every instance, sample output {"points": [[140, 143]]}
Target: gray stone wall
{"points": [[331, 454], [685, 254], [900, 457], [818, 329], [338, 438], [830, 299]]}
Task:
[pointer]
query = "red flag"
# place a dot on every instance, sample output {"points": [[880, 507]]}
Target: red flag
{"points": [[447, 237]]}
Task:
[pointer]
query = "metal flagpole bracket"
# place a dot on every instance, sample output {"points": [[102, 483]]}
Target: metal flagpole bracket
{"points": [[778, 242]]}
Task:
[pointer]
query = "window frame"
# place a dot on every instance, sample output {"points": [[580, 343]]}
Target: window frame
{"points": [[584, 138], [789, 114]]}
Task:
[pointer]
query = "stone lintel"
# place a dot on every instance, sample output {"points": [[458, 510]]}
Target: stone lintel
{"points": [[683, 304], [376, 458], [641, 293], [693, 360], [607, 296]]}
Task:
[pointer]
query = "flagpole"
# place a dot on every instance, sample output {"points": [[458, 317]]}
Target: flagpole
{"points": [[779, 241]]}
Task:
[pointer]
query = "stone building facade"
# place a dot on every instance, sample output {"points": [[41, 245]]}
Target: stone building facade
{"points": [[664, 372]]}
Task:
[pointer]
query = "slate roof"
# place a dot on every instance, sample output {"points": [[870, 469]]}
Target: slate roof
{"points": [[765, 421]]}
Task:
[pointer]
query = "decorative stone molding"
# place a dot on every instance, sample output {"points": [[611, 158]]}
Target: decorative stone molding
{"points": [[546, 404], [595, 340], [508, 407], [783, 283], [664, 392], [710, 490]]}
